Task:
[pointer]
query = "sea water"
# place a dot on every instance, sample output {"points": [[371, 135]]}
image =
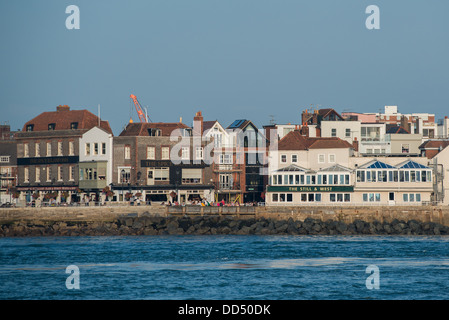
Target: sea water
{"points": [[225, 267]]}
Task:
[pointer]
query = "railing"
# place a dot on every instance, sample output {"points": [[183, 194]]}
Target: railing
{"points": [[211, 210], [352, 204]]}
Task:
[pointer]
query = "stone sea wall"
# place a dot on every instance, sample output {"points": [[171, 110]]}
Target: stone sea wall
{"points": [[219, 225], [158, 220]]}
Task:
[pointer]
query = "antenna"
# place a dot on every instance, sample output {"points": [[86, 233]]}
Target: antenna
{"points": [[272, 120]]}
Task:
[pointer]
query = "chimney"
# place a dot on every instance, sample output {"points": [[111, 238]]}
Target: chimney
{"points": [[305, 131], [198, 123], [355, 144], [63, 108]]}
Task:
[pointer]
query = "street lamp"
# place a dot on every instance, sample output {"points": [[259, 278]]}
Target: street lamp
{"points": [[123, 182]]}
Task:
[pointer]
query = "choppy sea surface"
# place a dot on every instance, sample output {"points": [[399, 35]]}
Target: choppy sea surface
{"points": [[225, 267]]}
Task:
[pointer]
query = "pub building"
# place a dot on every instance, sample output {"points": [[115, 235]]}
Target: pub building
{"points": [[327, 171], [48, 154]]}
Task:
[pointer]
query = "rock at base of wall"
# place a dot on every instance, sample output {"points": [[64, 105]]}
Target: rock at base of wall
{"points": [[217, 225]]}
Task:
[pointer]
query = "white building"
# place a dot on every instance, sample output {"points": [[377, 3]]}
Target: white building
{"points": [[95, 162]]}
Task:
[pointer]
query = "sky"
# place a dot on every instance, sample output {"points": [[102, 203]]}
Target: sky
{"points": [[260, 60]]}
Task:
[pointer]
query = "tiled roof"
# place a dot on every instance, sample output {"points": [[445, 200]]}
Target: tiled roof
{"points": [[63, 119], [295, 141], [141, 128], [434, 144], [208, 124]]}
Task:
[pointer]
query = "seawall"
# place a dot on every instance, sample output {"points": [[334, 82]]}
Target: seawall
{"points": [[160, 220]]}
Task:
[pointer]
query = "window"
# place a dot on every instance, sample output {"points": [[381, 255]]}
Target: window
{"points": [[74, 125], [405, 197], [26, 151], [51, 126], [87, 148], [48, 149], [283, 158], [185, 154], [96, 148], [4, 159], [124, 175], [48, 174], [60, 173], [127, 152], [348, 133], [103, 148], [360, 176], [151, 154], [321, 158], [30, 127], [71, 148], [26, 175], [333, 132], [275, 197], [59, 148], [71, 173], [371, 197], [294, 158], [38, 174], [37, 149], [165, 153], [199, 153], [332, 158], [405, 148], [289, 197], [225, 159], [190, 176]]}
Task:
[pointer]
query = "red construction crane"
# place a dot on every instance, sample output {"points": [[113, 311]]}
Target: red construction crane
{"points": [[140, 113]]}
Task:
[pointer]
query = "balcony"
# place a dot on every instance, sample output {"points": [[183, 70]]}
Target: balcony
{"points": [[228, 167]]}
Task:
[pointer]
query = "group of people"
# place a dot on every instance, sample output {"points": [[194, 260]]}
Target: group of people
{"points": [[205, 203]]}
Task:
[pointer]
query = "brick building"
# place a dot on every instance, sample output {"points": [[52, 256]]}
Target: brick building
{"points": [[48, 154], [152, 166]]}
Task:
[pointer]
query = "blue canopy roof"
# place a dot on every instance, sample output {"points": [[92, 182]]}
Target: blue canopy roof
{"points": [[412, 165], [376, 164]]}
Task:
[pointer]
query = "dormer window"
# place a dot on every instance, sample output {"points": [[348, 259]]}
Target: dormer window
{"points": [[51, 126], [30, 127], [154, 132], [74, 125]]}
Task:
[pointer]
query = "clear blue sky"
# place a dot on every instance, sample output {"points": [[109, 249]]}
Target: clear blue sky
{"points": [[231, 59]]}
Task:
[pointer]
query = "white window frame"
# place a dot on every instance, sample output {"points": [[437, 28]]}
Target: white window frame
{"points": [[165, 153], [321, 158], [199, 153], [60, 148], [48, 144], [185, 153], [151, 153], [127, 151]]}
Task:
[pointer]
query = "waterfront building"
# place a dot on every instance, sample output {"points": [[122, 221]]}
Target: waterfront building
{"points": [[251, 151], [307, 171], [8, 164], [160, 162], [95, 164], [48, 154]]}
